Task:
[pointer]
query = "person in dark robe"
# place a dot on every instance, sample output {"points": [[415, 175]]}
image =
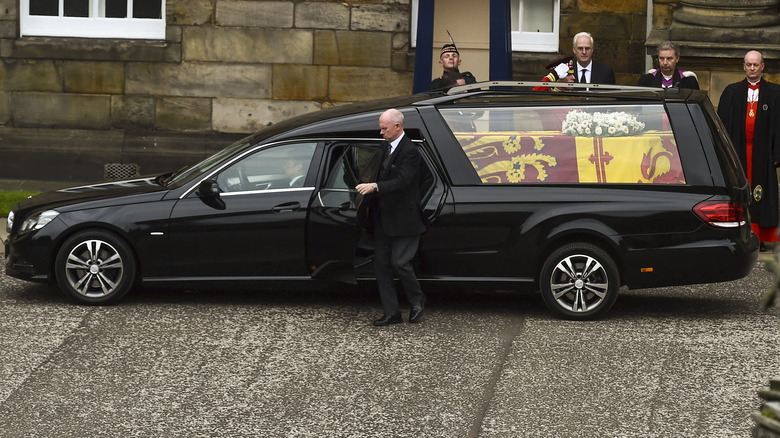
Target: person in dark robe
{"points": [[668, 75], [748, 110]]}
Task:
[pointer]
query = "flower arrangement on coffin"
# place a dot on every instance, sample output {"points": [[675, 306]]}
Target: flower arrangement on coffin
{"points": [[612, 124]]}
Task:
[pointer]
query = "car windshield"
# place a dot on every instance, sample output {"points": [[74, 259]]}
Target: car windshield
{"points": [[187, 173]]}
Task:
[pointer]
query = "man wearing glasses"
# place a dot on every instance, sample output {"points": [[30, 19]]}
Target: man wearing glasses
{"points": [[581, 67]]}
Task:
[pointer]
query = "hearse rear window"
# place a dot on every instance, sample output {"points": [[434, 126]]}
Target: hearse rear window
{"points": [[626, 144]]}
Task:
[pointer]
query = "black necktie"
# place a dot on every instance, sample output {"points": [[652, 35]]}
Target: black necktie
{"points": [[386, 160], [582, 77]]}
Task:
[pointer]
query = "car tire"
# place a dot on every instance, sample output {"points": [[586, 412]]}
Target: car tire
{"points": [[579, 281], [95, 267]]}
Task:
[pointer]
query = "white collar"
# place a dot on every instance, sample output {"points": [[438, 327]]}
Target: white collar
{"points": [[587, 67], [752, 95], [394, 143]]}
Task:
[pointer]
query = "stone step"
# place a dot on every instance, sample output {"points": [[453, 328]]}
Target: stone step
{"points": [[767, 427], [773, 408], [769, 394]]}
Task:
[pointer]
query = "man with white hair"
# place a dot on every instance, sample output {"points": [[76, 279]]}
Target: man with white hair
{"points": [[397, 218], [581, 67]]}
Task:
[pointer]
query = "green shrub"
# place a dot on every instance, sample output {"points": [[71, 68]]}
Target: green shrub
{"points": [[10, 197]]}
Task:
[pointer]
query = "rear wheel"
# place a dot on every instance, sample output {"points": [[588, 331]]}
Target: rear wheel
{"points": [[95, 267], [579, 281]]}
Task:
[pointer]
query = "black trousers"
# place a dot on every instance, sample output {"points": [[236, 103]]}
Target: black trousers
{"points": [[393, 255]]}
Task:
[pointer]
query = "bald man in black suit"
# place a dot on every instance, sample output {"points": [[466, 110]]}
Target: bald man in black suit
{"points": [[398, 220]]}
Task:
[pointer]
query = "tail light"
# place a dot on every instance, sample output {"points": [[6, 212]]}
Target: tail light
{"points": [[723, 214]]}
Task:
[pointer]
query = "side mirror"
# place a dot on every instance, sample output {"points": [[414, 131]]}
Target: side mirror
{"points": [[161, 179], [208, 188]]}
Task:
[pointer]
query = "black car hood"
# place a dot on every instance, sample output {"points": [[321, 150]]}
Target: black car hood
{"points": [[103, 194]]}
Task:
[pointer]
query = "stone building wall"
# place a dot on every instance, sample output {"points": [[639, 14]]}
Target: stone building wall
{"points": [[226, 68], [714, 35]]}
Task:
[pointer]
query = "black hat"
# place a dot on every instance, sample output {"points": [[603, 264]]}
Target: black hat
{"points": [[448, 48]]}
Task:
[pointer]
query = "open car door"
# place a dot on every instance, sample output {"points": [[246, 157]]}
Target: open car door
{"points": [[338, 247]]}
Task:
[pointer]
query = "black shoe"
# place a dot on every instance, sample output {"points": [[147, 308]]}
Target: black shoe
{"points": [[416, 314], [762, 247], [387, 320]]}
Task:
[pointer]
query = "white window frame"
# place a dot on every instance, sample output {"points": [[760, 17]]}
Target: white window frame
{"points": [[415, 8], [537, 41], [94, 26]]}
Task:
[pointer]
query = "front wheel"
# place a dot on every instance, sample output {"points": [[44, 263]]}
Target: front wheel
{"points": [[95, 267], [579, 281]]}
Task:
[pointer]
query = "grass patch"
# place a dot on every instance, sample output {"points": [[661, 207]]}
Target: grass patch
{"points": [[10, 197]]}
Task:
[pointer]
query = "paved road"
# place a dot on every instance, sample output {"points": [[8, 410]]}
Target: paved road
{"points": [[668, 362]]}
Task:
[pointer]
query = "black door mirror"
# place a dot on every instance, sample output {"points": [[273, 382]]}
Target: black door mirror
{"points": [[208, 188]]}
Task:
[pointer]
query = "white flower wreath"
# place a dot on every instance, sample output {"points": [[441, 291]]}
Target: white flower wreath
{"points": [[615, 124]]}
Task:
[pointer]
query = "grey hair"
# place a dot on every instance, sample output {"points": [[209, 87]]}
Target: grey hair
{"points": [[668, 45], [574, 40]]}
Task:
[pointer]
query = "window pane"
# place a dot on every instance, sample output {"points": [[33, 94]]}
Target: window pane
{"points": [[356, 164], [279, 167], [538, 15], [515, 11], [623, 144], [535, 25], [93, 19], [116, 9], [76, 8], [44, 7], [147, 8]]}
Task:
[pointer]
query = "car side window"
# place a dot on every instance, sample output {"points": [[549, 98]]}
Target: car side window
{"points": [[352, 164], [275, 167], [624, 144]]}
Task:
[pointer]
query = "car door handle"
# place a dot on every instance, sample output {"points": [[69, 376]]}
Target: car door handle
{"points": [[289, 206]]}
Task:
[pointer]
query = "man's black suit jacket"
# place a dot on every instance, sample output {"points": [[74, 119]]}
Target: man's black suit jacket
{"points": [[398, 197], [601, 74]]}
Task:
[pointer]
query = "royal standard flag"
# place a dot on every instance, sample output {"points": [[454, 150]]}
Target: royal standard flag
{"points": [[549, 156]]}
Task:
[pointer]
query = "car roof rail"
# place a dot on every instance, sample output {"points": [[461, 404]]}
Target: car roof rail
{"points": [[488, 85]]}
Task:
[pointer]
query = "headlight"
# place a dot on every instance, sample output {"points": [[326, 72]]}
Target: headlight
{"points": [[9, 223], [38, 221]]}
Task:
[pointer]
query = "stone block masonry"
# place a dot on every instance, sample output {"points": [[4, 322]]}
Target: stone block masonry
{"points": [[225, 68]]}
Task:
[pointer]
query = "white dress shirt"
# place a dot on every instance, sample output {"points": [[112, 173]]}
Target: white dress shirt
{"points": [[395, 142], [588, 72]]}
